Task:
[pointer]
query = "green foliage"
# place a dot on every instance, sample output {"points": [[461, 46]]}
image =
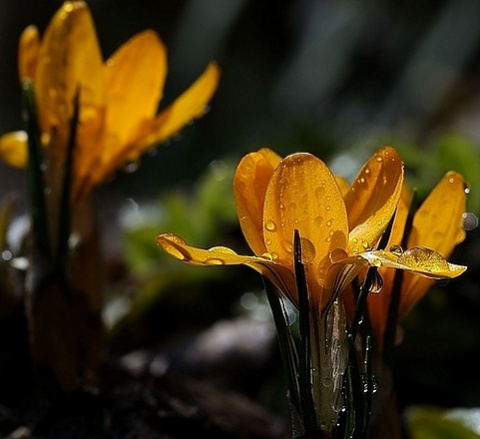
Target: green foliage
{"points": [[434, 423]]}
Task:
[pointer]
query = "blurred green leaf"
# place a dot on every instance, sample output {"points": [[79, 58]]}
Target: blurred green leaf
{"points": [[435, 423], [459, 154]]}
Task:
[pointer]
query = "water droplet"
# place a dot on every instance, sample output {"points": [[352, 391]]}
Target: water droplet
{"points": [[379, 158], [329, 223], [377, 284], [396, 249], [469, 221], [131, 166], [270, 226], [337, 255], [467, 190], [318, 221], [367, 170], [267, 256], [6, 255], [282, 206], [268, 242], [214, 261], [296, 221], [451, 180], [328, 208]]}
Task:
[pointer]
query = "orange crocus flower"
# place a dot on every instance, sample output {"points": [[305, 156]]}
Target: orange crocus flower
{"points": [[118, 99]]}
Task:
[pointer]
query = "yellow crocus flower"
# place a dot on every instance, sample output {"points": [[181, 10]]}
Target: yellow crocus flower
{"points": [[118, 99], [274, 197]]}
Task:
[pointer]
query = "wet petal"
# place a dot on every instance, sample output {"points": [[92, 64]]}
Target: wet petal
{"points": [[280, 276], [13, 148], [438, 221], [372, 198], [304, 195], [69, 59], [250, 186], [134, 80], [420, 260], [189, 106], [28, 50]]}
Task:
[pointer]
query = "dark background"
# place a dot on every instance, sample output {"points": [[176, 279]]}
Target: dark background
{"points": [[337, 78]]}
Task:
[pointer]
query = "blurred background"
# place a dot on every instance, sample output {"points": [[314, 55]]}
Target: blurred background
{"points": [[339, 79]]}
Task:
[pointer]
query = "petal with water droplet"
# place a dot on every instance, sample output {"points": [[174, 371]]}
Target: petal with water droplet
{"points": [[420, 260], [249, 187], [373, 197], [281, 277]]}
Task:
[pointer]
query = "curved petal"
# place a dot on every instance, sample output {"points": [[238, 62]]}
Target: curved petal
{"points": [[187, 107], [438, 221], [280, 276], [28, 50], [13, 148], [343, 184], [437, 224], [134, 80], [303, 195], [372, 198], [249, 187], [69, 61], [420, 260]]}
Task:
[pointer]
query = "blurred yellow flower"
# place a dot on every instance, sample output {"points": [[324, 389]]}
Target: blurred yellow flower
{"points": [[118, 99]]}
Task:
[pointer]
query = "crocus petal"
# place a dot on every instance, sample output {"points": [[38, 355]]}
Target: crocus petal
{"points": [[372, 198], [28, 50], [13, 148], [134, 80], [69, 62], [438, 221], [280, 276], [189, 106], [437, 224], [343, 184], [250, 186], [420, 260], [303, 195]]}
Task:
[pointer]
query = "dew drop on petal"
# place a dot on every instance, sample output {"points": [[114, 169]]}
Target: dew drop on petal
{"points": [[396, 249], [337, 255], [270, 226], [214, 261]]}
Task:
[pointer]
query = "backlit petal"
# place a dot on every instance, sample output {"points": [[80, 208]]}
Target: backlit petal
{"points": [[280, 276], [438, 221], [420, 260], [373, 197], [28, 50], [134, 80], [250, 186], [69, 61], [13, 148], [189, 106], [304, 195], [437, 224]]}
